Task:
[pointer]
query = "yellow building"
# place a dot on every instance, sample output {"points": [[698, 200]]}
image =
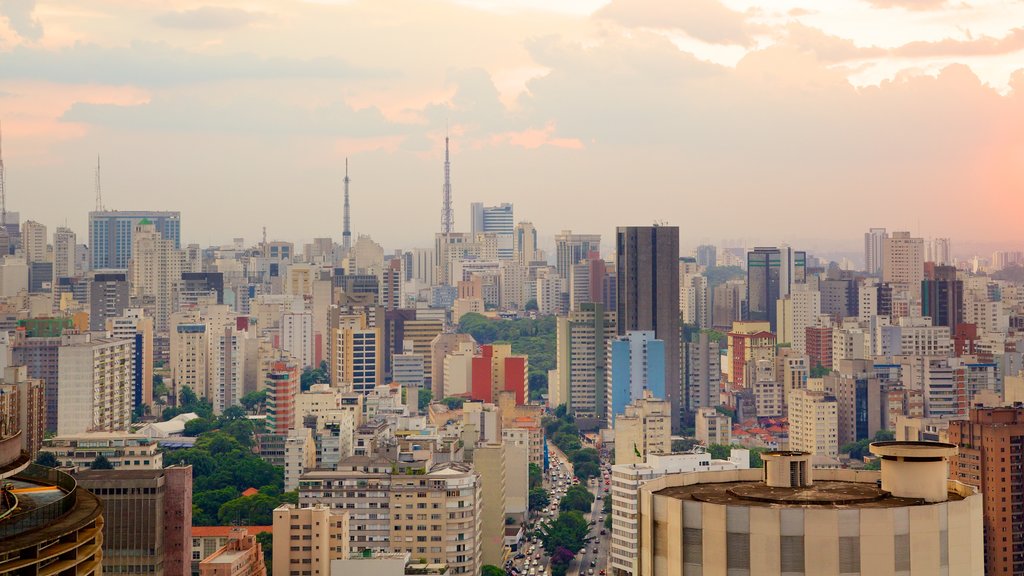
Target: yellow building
{"points": [[644, 428], [307, 539]]}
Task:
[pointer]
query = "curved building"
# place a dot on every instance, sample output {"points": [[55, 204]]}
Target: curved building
{"points": [[48, 525], [789, 519]]}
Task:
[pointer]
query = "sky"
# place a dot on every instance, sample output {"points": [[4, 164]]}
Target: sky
{"points": [[800, 121]]}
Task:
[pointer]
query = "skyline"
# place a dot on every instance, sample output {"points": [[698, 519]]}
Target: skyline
{"points": [[203, 108]]}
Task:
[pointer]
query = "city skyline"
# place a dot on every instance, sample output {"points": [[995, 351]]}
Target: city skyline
{"points": [[909, 122]]}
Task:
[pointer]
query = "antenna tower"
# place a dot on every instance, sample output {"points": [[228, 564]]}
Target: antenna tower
{"points": [[3, 179], [346, 234], [99, 188], [447, 217]]}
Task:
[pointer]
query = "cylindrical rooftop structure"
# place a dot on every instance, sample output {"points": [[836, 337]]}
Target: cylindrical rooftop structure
{"points": [[915, 469], [787, 469]]}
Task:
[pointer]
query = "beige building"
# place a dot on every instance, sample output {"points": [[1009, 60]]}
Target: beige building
{"points": [[124, 451], [489, 463], [136, 326], [441, 346], [713, 427], [357, 362], [458, 370], [645, 427], [814, 422], [903, 262], [33, 241], [789, 518], [306, 540], [154, 271], [95, 376]]}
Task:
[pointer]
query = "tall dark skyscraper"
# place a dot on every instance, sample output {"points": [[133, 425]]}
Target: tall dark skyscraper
{"points": [[942, 296], [647, 271], [771, 273]]}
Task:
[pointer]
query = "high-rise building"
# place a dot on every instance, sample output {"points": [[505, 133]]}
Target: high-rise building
{"points": [[358, 361], [148, 518], [942, 296], [440, 347], [571, 248], [873, 254], [707, 256], [498, 220], [647, 275], [525, 243], [939, 252], [643, 428], [64, 240], [29, 410], [702, 370], [96, 384], [771, 274], [111, 235], [282, 384], [495, 370], [297, 337], [637, 370], [790, 518], [322, 531], [109, 296], [903, 262], [583, 341], [134, 325], [729, 304], [33, 241], [154, 269], [694, 301], [713, 427], [991, 441], [813, 422]]}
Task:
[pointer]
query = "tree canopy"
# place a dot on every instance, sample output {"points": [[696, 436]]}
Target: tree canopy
{"points": [[101, 463], [578, 498], [539, 499], [568, 531]]}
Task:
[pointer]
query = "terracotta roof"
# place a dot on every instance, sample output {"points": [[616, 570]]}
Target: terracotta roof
{"points": [[222, 531], [250, 492]]}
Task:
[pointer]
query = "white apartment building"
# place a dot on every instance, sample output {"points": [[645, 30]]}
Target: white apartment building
{"points": [[814, 422], [124, 451], [96, 379], [297, 337]]}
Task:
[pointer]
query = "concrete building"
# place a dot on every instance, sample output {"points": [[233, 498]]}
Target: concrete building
{"points": [[241, 556], [408, 370], [790, 518], [306, 540], [111, 235], [124, 451], [498, 220], [644, 427], [903, 262], [647, 276], [637, 370], [990, 439], [495, 370], [814, 422], [357, 362], [525, 243], [583, 340], [33, 241], [96, 383], [64, 241], [570, 248], [625, 495], [148, 519], [134, 325], [873, 252], [713, 427], [702, 371], [771, 274], [109, 296], [297, 337], [154, 271], [282, 385], [28, 412]]}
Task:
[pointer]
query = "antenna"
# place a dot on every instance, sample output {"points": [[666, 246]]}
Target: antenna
{"points": [[99, 187], [447, 218], [346, 234], [3, 178], [264, 240]]}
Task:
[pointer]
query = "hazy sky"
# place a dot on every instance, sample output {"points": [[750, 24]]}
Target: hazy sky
{"points": [[777, 120]]}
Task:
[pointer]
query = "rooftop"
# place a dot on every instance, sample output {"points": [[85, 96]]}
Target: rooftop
{"points": [[829, 493], [223, 531]]}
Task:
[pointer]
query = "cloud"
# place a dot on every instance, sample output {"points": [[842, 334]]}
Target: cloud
{"points": [[208, 18], [157, 64], [706, 20], [826, 47], [909, 4], [20, 16], [982, 46]]}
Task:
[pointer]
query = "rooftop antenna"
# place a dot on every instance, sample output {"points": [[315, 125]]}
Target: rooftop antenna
{"points": [[264, 240], [99, 187], [3, 179], [346, 234], [447, 217]]}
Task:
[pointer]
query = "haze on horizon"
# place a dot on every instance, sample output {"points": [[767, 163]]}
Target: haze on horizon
{"points": [[780, 120]]}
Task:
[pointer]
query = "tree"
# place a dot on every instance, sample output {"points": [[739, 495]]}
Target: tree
{"points": [[233, 413], [266, 541], [454, 403], [257, 510], [47, 459], [586, 470], [187, 397], [560, 411], [683, 444], [536, 476], [254, 400], [719, 451], [491, 570], [608, 520], [424, 398], [820, 371], [539, 499], [606, 507], [568, 531], [318, 375], [101, 463], [196, 427], [578, 498], [875, 464], [531, 305], [159, 388]]}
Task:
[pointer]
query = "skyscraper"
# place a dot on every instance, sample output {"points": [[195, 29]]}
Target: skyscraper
{"points": [[571, 248], [583, 339], [942, 296], [498, 220], [33, 240], [63, 253], [111, 233], [903, 261], [771, 273], [525, 243], [647, 271], [873, 239]]}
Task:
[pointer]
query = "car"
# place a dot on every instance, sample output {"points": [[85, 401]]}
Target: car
{"points": [[595, 550], [603, 532], [519, 556], [537, 557], [590, 571], [601, 572], [593, 563]]}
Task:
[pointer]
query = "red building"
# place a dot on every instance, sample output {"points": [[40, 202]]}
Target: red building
{"points": [[819, 346], [282, 386], [497, 369]]}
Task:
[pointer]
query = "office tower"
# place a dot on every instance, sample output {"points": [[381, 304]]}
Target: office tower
{"points": [[625, 495], [200, 286], [707, 256], [323, 532], [693, 297], [990, 443], [643, 428], [771, 274], [440, 347], [583, 347], [497, 220], [28, 408], [52, 528], [587, 281], [241, 555], [637, 369], [525, 243], [33, 241], [713, 427], [728, 303], [358, 361], [647, 275], [134, 325], [408, 370], [154, 270], [760, 521], [818, 343], [63, 253], [571, 248], [702, 370], [942, 296], [111, 234], [14, 276], [391, 285], [813, 422], [903, 262], [227, 365], [96, 381], [40, 277], [496, 369], [40, 355], [873, 252], [109, 296], [148, 518], [938, 252], [282, 384], [839, 296], [448, 249], [297, 337]]}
